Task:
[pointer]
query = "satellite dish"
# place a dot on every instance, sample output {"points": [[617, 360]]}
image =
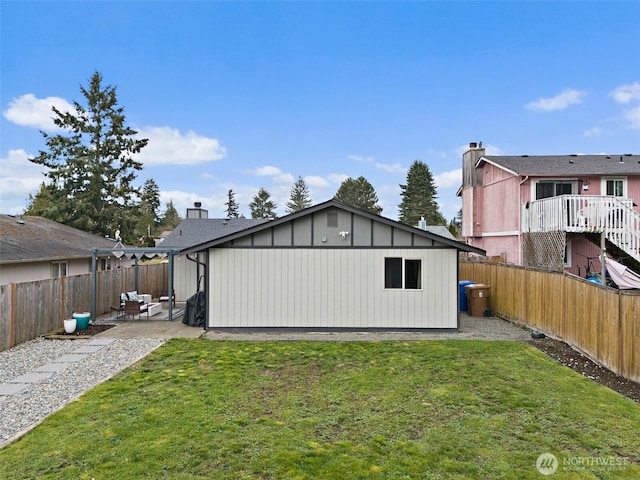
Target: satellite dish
{"points": [[118, 238]]}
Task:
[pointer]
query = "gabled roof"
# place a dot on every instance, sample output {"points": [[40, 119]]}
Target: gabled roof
{"points": [[195, 231], [323, 206], [28, 239], [566, 165]]}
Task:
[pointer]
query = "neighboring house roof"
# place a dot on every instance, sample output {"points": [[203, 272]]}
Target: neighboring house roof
{"points": [[440, 230], [448, 239], [27, 238], [194, 231], [566, 165]]}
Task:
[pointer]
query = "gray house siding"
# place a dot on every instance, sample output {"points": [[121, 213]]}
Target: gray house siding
{"points": [[329, 288]]}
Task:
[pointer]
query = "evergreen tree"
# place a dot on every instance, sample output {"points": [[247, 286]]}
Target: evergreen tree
{"points": [[46, 203], [419, 197], [91, 165], [147, 217], [455, 225], [299, 197], [151, 199], [262, 206], [359, 193], [171, 218], [232, 205]]}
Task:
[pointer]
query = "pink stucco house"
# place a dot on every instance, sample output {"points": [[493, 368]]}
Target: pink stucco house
{"points": [[557, 212]]}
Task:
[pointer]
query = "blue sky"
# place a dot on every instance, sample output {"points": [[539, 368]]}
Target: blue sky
{"points": [[243, 95]]}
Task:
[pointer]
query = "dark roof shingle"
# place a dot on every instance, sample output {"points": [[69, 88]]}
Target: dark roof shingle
{"points": [[27, 238], [566, 165]]}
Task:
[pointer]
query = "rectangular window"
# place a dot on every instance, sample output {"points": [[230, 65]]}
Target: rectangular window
{"points": [[553, 189], [58, 269], [332, 219], [402, 273], [393, 273], [615, 188]]}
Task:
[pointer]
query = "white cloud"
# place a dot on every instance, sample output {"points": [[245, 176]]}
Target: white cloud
{"points": [[337, 178], [633, 117], [626, 93], [18, 178], [391, 168], [315, 181], [277, 176], [30, 111], [564, 99], [593, 132], [450, 179], [360, 158], [169, 146], [266, 171]]}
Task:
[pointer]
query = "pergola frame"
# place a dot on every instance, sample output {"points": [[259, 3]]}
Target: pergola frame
{"points": [[136, 252]]}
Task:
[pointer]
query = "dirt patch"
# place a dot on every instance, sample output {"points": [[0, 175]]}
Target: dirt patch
{"points": [[90, 331], [573, 359]]}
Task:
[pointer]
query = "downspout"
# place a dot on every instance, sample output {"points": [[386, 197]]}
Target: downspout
{"points": [[205, 266], [198, 263], [94, 286], [520, 233], [170, 290]]}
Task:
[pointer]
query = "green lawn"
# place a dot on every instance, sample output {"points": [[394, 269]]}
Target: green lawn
{"points": [[325, 410]]}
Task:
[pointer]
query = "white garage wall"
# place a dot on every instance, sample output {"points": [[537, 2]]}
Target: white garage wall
{"points": [[340, 288]]}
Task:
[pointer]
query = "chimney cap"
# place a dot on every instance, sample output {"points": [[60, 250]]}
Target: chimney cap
{"points": [[473, 145], [197, 204]]}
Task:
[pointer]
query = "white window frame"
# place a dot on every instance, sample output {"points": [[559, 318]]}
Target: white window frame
{"points": [[57, 266], [603, 188]]}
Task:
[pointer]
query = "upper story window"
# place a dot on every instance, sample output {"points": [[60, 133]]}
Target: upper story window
{"points": [[548, 189], [614, 187], [332, 219]]}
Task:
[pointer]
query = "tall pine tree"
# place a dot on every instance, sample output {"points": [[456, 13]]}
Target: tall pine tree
{"points": [[232, 206], [419, 197], [359, 193], [91, 165], [262, 206], [171, 218], [299, 197]]}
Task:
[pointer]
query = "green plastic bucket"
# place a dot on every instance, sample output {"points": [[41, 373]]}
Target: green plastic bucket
{"points": [[82, 320]]}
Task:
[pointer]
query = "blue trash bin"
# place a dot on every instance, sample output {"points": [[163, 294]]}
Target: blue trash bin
{"points": [[462, 295]]}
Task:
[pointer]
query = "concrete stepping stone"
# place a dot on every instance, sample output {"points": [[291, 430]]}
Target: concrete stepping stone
{"points": [[31, 377], [102, 341], [52, 367], [70, 358], [89, 349], [11, 388]]}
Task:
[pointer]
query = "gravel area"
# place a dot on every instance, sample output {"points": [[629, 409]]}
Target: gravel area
{"points": [[23, 410]]}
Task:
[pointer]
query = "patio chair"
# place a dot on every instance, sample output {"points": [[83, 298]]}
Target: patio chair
{"points": [[134, 308], [164, 296]]}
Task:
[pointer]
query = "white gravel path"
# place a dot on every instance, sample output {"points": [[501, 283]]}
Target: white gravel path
{"points": [[100, 359]]}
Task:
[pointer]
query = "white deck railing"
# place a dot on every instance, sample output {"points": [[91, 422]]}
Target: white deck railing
{"points": [[586, 213]]}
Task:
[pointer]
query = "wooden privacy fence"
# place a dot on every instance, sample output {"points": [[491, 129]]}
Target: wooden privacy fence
{"points": [[603, 323], [31, 309]]}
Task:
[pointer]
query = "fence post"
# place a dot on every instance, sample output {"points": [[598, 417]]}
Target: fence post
{"points": [[12, 321]]}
